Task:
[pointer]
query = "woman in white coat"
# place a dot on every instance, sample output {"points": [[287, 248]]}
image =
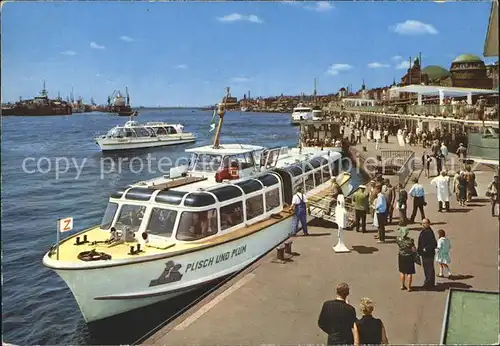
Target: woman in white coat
{"points": [[442, 183]]}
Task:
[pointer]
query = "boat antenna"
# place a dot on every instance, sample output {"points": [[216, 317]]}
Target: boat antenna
{"points": [[221, 110]]}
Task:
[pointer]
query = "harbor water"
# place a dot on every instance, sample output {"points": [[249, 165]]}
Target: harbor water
{"points": [[52, 168]]}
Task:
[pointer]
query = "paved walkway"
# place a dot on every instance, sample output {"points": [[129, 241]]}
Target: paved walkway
{"points": [[272, 303]]}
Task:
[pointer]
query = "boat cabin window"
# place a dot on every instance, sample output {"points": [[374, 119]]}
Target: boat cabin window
{"points": [[116, 133], [171, 130], [162, 222], [129, 133], [325, 170], [109, 215], [240, 161], [309, 181], [295, 170], [335, 167], [142, 132], [151, 131], [255, 206], [231, 215], [161, 131], [194, 225], [272, 199], [205, 162], [130, 216]]}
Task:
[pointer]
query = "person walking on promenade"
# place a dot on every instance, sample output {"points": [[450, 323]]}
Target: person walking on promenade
{"points": [[442, 183], [388, 192], [471, 183], [462, 189], [418, 194], [456, 186], [402, 203], [426, 163], [380, 213], [386, 136], [299, 205], [462, 153], [369, 330], [360, 199], [337, 318], [426, 249], [406, 256], [493, 193], [444, 153], [443, 254], [436, 152]]}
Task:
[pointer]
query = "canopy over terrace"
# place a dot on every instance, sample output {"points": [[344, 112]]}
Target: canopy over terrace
{"points": [[443, 91], [359, 101]]}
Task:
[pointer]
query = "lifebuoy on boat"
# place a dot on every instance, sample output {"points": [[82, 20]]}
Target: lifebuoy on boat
{"points": [[234, 173]]}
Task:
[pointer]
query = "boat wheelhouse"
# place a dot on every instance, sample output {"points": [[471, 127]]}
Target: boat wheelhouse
{"points": [[134, 135], [169, 235]]}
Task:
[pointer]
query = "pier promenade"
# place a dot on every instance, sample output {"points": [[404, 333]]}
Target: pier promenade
{"points": [[271, 303]]}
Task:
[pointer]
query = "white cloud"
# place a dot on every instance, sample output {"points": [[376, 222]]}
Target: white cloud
{"points": [[240, 80], [377, 65], [403, 65], [321, 6], [127, 38], [181, 66], [334, 69], [414, 27], [69, 52], [96, 46], [236, 17], [397, 57]]}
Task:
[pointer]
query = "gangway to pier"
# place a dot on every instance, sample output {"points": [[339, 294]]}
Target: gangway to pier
{"points": [[322, 206]]}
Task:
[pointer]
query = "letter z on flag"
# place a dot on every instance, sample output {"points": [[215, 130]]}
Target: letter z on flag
{"points": [[66, 224], [212, 122]]}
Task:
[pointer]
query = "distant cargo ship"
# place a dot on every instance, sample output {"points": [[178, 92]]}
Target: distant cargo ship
{"points": [[39, 106], [120, 105]]}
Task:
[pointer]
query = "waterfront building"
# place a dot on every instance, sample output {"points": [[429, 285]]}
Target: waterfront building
{"points": [[414, 74], [469, 71]]}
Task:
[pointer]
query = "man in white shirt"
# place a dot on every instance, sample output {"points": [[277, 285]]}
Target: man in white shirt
{"points": [[299, 205]]}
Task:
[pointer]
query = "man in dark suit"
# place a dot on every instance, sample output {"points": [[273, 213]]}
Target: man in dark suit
{"points": [[337, 318], [426, 248]]}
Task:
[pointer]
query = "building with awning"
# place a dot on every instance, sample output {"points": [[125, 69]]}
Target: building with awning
{"points": [[442, 91], [491, 42]]}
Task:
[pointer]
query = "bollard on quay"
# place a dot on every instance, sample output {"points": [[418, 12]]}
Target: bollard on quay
{"points": [[288, 247], [281, 253]]}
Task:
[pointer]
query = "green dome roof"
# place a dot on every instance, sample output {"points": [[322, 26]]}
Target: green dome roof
{"points": [[435, 72], [467, 58]]}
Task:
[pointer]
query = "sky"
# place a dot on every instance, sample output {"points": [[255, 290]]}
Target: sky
{"points": [[186, 53]]}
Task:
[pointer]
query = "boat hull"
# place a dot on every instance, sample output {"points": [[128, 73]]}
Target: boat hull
{"points": [[114, 289], [107, 144]]}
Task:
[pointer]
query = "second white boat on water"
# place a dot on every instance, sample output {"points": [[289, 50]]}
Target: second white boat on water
{"points": [[134, 135]]}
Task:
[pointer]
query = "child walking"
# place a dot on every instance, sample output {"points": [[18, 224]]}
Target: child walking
{"points": [[443, 254]]}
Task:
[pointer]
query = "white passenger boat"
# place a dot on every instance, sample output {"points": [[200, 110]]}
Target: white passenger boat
{"points": [[134, 135], [169, 235], [301, 113]]}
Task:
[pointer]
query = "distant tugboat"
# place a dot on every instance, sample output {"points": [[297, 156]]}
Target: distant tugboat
{"points": [[120, 105], [39, 106]]}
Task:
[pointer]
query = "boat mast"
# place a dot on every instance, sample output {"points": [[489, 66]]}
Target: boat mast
{"points": [[128, 97], [221, 110]]}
